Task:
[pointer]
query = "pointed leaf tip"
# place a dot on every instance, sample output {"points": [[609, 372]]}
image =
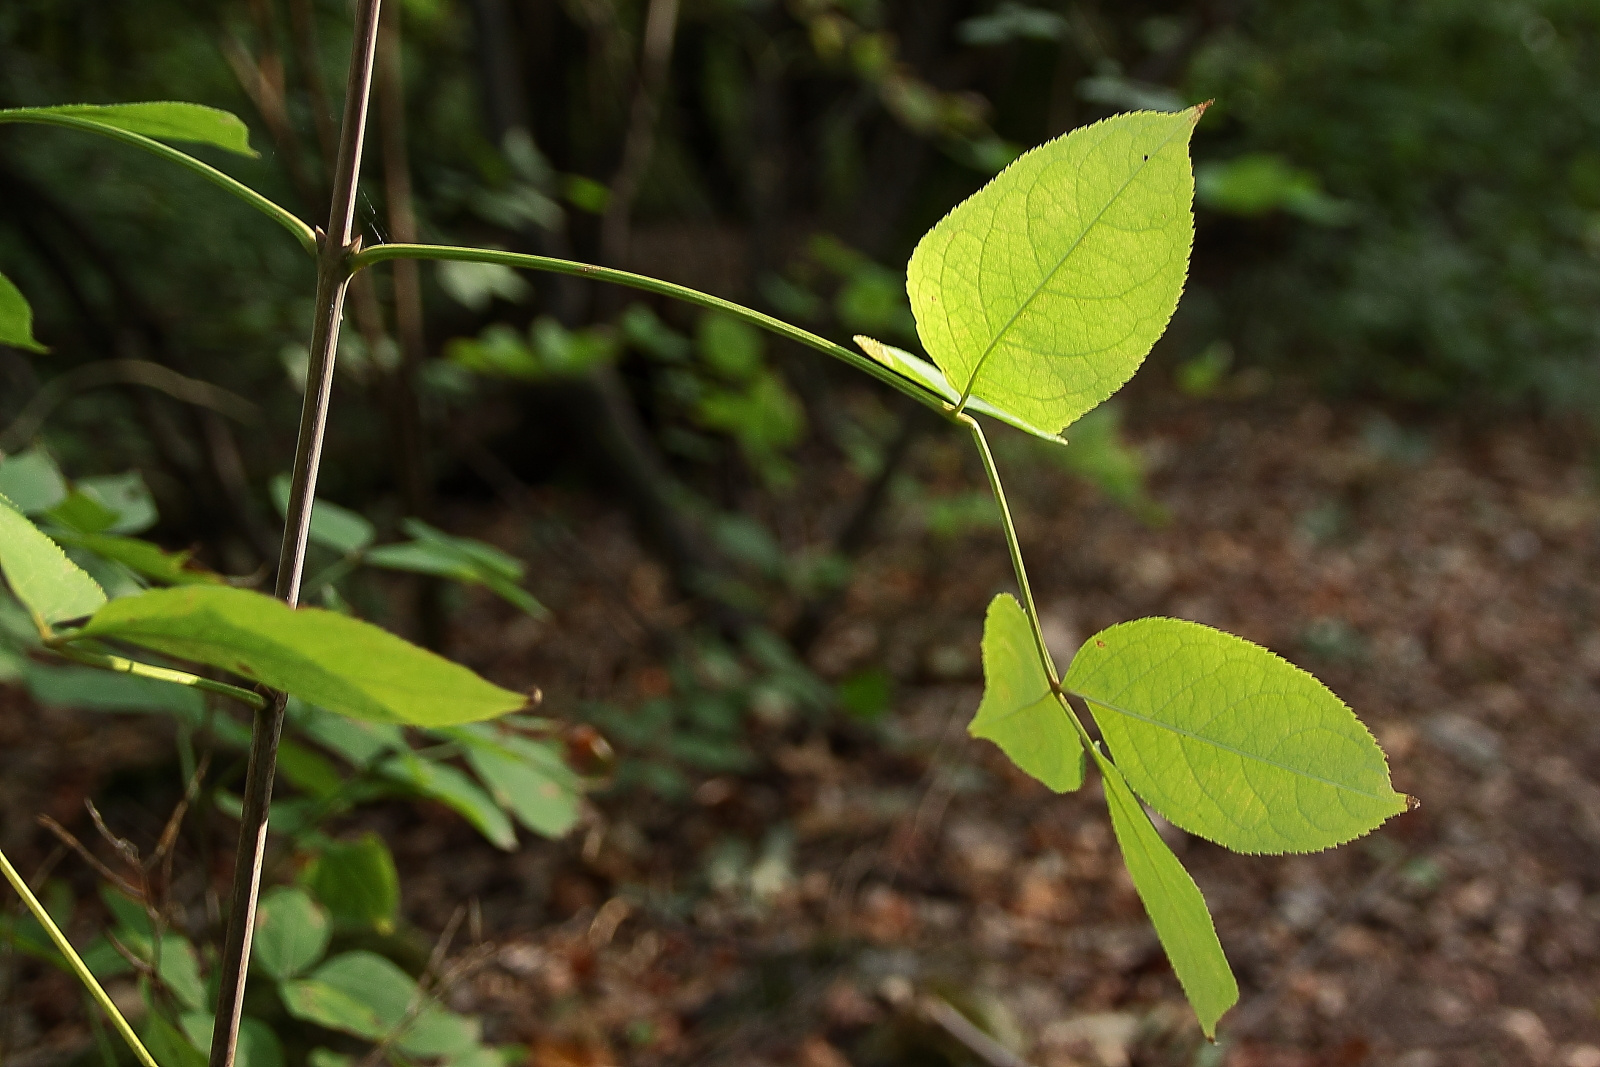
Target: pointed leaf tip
{"points": [[1231, 742], [1173, 902], [161, 120], [1044, 291], [16, 319]]}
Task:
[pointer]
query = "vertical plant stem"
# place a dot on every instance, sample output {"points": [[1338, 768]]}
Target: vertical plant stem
{"points": [[333, 278], [1012, 545]]}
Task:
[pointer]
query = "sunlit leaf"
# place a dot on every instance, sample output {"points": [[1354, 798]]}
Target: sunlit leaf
{"points": [[932, 379], [49, 585], [1174, 904], [16, 319], [1229, 741], [1019, 711], [337, 662], [163, 120], [1043, 292]]}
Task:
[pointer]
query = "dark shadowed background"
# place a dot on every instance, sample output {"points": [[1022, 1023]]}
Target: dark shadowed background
{"points": [[1366, 442]]}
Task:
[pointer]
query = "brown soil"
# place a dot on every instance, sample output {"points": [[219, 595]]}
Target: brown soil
{"points": [[1442, 582]]}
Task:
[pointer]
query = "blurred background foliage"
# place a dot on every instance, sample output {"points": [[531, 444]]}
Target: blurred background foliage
{"points": [[1398, 200]]}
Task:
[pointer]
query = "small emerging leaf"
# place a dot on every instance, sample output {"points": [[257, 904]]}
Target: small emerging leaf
{"points": [[1044, 291], [340, 663], [49, 584], [16, 319], [1229, 741], [1174, 904], [163, 120], [1020, 712], [933, 380]]}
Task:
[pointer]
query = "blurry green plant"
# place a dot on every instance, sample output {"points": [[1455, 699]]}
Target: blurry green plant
{"points": [[1457, 145], [1036, 299]]}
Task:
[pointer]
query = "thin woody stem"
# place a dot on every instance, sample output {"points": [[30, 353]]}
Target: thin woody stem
{"points": [[333, 278]]}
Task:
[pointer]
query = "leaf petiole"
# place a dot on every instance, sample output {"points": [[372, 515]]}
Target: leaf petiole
{"points": [[382, 253], [122, 665], [282, 216]]}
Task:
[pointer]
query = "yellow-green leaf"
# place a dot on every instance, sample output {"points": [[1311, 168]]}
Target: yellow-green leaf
{"points": [[1174, 904], [1043, 291], [49, 584], [328, 659], [1229, 741], [163, 120], [1019, 711]]}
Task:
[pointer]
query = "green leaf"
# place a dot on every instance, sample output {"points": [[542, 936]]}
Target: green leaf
{"points": [[82, 513], [32, 481], [164, 120], [1174, 904], [459, 559], [16, 319], [386, 991], [455, 790], [258, 1045], [1043, 291], [340, 529], [528, 778], [1229, 741], [731, 348], [340, 663], [358, 884], [49, 585], [358, 742], [142, 557], [317, 1002], [1019, 711], [292, 932], [933, 380], [168, 1046], [125, 496]]}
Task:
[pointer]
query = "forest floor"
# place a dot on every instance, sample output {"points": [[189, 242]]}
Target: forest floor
{"points": [[871, 886]]}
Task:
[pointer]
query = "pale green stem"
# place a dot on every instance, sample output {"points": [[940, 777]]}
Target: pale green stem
{"points": [[1012, 546], [1021, 571], [380, 253], [75, 962], [283, 217], [161, 674]]}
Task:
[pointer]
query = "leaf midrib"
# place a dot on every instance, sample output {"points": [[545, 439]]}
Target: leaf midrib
{"points": [[1227, 748], [972, 381]]}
